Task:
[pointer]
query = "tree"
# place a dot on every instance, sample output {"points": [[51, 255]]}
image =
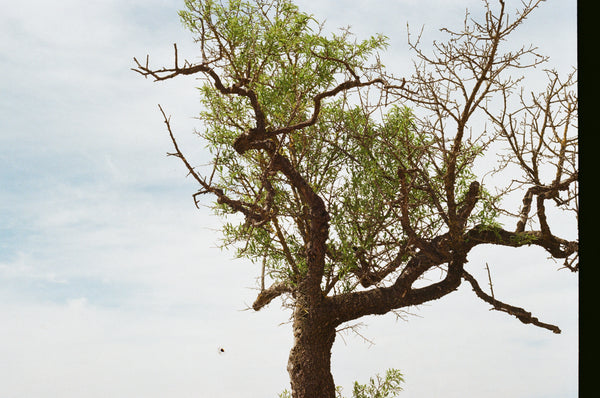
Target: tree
{"points": [[378, 387], [348, 185]]}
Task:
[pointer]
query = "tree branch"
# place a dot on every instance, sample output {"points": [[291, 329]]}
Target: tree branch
{"points": [[543, 192], [521, 314], [345, 86], [189, 69], [267, 295], [557, 247], [253, 213]]}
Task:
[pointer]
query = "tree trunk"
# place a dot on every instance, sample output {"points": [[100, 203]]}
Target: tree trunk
{"points": [[309, 364]]}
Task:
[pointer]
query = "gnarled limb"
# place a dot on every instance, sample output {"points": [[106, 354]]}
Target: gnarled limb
{"points": [[557, 247], [206, 69], [520, 313], [269, 294], [543, 192]]}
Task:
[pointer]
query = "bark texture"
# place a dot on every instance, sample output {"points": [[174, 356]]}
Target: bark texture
{"points": [[309, 364]]}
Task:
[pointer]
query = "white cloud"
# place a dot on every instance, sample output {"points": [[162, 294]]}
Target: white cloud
{"points": [[109, 279], [78, 349], [21, 268]]}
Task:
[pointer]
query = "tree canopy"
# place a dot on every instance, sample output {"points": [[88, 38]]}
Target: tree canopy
{"points": [[352, 183]]}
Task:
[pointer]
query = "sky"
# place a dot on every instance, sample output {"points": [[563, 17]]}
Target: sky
{"points": [[111, 281]]}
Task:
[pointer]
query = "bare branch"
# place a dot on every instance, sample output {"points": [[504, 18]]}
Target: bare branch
{"points": [[521, 314], [254, 214], [487, 268], [205, 68], [267, 295]]}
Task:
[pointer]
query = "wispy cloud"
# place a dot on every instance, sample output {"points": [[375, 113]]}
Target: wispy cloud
{"points": [[110, 282]]}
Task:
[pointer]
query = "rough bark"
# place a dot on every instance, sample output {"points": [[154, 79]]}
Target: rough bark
{"points": [[309, 364]]}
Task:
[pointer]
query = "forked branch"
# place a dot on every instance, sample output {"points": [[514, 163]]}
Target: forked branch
{"points": [[254, 214]]}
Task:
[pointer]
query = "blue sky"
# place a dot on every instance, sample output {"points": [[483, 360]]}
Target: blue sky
{"points": [[110, 280]]}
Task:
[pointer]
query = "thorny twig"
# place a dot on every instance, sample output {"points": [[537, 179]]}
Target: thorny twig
{"points": [[520, 313]]}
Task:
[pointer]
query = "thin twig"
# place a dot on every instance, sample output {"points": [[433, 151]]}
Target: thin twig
{"points": [[487, 267]]}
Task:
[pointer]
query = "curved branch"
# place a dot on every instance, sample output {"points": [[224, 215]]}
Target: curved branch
{"points": [[189, 69], [543, 192], [269, 294], [557, 247], [521, 314], [380, 300], [253, 213], [347, 85]]}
